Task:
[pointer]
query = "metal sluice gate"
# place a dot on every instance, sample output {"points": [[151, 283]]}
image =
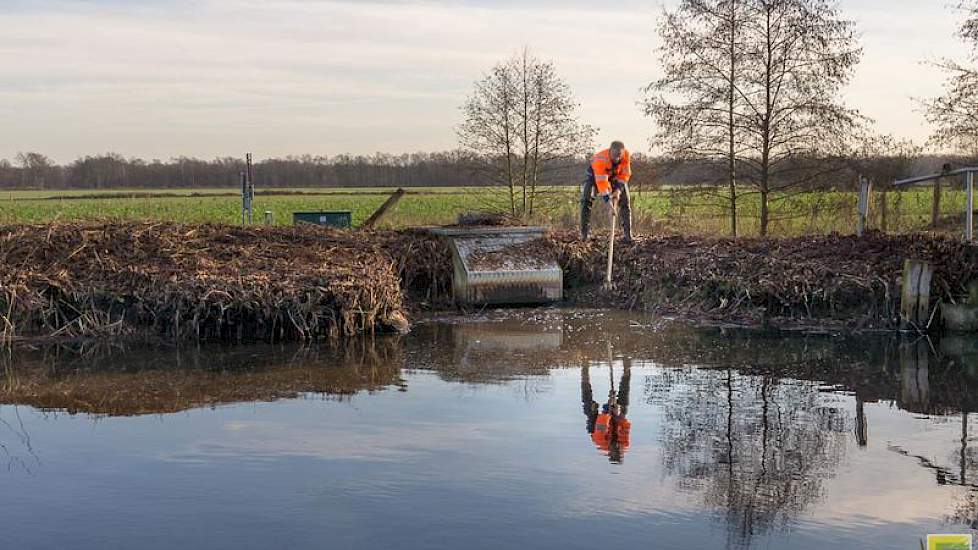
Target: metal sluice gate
{"points": [[517, 280]]}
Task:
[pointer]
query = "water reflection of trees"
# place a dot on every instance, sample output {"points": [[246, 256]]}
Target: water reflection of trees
{"points": [[16, 448], [756, 449]]}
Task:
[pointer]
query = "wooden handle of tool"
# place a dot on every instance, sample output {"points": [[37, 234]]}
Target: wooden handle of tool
{"points": [[611, 241]]}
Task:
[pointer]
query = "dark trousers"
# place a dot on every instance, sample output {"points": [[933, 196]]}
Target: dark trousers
{"points": [[588, 190]]}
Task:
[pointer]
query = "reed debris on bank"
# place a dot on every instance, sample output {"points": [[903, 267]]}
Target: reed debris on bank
{"points": [[832, 277], [201, 281]]}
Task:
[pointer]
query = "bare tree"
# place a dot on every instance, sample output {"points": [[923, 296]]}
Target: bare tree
{"points": [[698, 105], [954, 115], [758, 82], [37, 170], [521, 124], [799, 55]]}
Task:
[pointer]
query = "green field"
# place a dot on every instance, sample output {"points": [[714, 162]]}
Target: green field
{"points": [[670, 210]]}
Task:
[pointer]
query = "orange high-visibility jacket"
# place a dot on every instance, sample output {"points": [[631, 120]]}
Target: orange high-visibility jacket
{"points": [[602, 432], [605, 172], [624, 430]]}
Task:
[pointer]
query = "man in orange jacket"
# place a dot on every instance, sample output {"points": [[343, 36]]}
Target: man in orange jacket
{"points": [[608, 425], [608, 176]]}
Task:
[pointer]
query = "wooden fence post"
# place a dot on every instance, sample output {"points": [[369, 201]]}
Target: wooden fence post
{"points": [[388, 204], [884, 210], [915, 297]]}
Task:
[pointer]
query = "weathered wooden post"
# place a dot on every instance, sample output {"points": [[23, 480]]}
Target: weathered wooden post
{"points": [[915, 297], [388, 204], [269, 218], [884, 206], [935, 214], [864, 190]]}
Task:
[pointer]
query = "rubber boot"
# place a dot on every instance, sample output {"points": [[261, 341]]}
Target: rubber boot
{"points": [[587, 201], [625, 213]]}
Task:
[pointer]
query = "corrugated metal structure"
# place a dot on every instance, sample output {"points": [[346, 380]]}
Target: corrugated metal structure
{"points": [[514, 280]]}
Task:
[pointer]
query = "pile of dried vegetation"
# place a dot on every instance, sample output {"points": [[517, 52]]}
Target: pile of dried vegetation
{"points": [[831, 277], [206, 281], [213, 282]]}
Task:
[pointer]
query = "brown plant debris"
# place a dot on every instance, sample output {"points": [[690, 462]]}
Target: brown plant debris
{"points": [[206, 281], [846, 278], [513, 258]]}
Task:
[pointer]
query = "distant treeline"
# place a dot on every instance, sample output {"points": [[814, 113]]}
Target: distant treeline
{"points": [[440, 169], [113, 171]]}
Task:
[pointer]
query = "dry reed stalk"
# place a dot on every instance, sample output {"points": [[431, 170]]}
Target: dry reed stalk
{"points": [[206, 281]]}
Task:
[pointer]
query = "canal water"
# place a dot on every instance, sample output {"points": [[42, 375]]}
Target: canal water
{"points": [[527, 429]]}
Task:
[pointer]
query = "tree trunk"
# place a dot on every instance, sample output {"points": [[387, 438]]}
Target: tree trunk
{"points": [[935, 214], [537, 128], [730, 128], [765, 213], [884, 211], [766, 130], [526, 132], [512, 183], [508, 137]]}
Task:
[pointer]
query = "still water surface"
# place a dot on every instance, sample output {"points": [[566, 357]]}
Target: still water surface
{"points": [[489, 433]]}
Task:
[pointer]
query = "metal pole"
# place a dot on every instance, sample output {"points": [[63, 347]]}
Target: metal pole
{"points": [[863, 206], [244, 198], [969, 217], [251, 190]]}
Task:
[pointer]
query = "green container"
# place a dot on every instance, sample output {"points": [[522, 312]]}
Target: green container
{"points": [[333, 219]]}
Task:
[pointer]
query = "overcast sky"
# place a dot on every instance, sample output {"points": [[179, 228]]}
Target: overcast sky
{"points": [[158, 79]]}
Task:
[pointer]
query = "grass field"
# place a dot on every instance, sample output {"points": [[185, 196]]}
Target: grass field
{"points": [[670, 210]]}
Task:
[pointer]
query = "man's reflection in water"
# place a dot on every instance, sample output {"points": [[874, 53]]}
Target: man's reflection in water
{"points": [[607, 424]]}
